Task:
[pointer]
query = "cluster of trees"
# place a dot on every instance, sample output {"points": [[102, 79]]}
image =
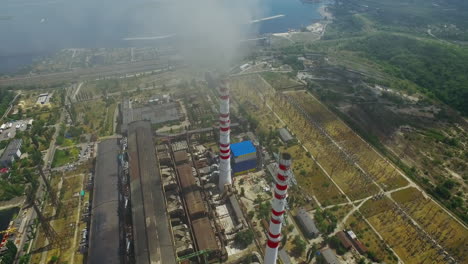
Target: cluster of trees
{"points": [[438, 69], [299, 246], [400, 15], [325, 221], [244, 238], [9, 256], [5, 99]]}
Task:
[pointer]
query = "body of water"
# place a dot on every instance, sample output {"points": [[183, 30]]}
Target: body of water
{"points": [[34, 27], [5, 218]]}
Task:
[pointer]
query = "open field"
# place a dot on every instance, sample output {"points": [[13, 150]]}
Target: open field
{"points": [[369, 238], [450, 234], [311, 179], [384, 174], [279, 80], [96, 115], [344, 173], [398, 232], [65, 156]]}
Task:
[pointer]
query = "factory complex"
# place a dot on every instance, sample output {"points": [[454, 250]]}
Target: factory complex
{"points": [[192, 196]]}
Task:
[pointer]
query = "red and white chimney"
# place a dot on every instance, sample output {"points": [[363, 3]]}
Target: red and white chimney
{"points": [[277, 208], [224, 137]]}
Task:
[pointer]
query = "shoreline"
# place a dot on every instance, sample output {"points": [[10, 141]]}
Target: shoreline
{"points": [[14, 202], [324, 13]]}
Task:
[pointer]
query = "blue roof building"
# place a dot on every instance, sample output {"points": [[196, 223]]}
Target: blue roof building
{"points": [[244, 157], [243, 148]]}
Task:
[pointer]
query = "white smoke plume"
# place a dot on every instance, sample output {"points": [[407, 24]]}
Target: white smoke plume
{"points": [[208, 32]]}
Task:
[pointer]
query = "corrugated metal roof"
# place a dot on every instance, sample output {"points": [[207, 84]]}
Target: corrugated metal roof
{"points": [[180, 156], [242, 148], [11, 150], [285, 135], [185, 176], [307, 222], [195, 204], [284, 257], [329, 256], [344, 239], [204, 234]]}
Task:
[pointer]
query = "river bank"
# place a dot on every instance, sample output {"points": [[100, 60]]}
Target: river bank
{"points": [[15, 202]]}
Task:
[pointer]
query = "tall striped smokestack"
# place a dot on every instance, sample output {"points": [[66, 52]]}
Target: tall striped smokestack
{"points": [[224, 137], [277, 208]]}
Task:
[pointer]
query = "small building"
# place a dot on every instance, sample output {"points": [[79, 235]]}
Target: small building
{"points": [[42, 98], [285, 135], [351, 234], [284, 256], [329, 256], [345, 241], [244, 157], [307, 223], [237, 210], [11, 153], [359, 246]]}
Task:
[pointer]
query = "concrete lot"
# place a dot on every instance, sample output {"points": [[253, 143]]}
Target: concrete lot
{"points": [[9, 133]]}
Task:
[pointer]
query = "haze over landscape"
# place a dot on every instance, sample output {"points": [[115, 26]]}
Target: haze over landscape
{"points": [[248, 131]]}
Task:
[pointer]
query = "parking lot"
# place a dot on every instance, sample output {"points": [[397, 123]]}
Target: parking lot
{"points": [[8, 129]]}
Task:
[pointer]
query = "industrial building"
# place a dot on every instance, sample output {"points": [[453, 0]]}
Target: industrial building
{"points": [[180, 157], [104, 228], [329, 256], [152, 239], [244, 157], [345, 241], [285, 135], [307, 224], [43, 99], [11, 153], [191, 192], [154, 113], [204, 234]]}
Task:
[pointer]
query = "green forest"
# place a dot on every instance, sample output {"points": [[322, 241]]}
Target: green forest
{"points": [[415, 41], [5, 99], [440, 70]]}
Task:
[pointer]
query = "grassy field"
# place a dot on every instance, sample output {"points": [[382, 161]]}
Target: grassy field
{"points": [[342, 172], [95, 116], [368, 237], [65, 156], [311, 179], [279, 81], [385, 174], [435, 221], [306, 170]]}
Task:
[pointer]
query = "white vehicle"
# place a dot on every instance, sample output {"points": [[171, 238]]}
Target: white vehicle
{"points": [[3, 126], [18, 126], [10, 125]]}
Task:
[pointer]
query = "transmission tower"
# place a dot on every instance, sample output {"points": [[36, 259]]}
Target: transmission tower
{"points": [[49, 231]]}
